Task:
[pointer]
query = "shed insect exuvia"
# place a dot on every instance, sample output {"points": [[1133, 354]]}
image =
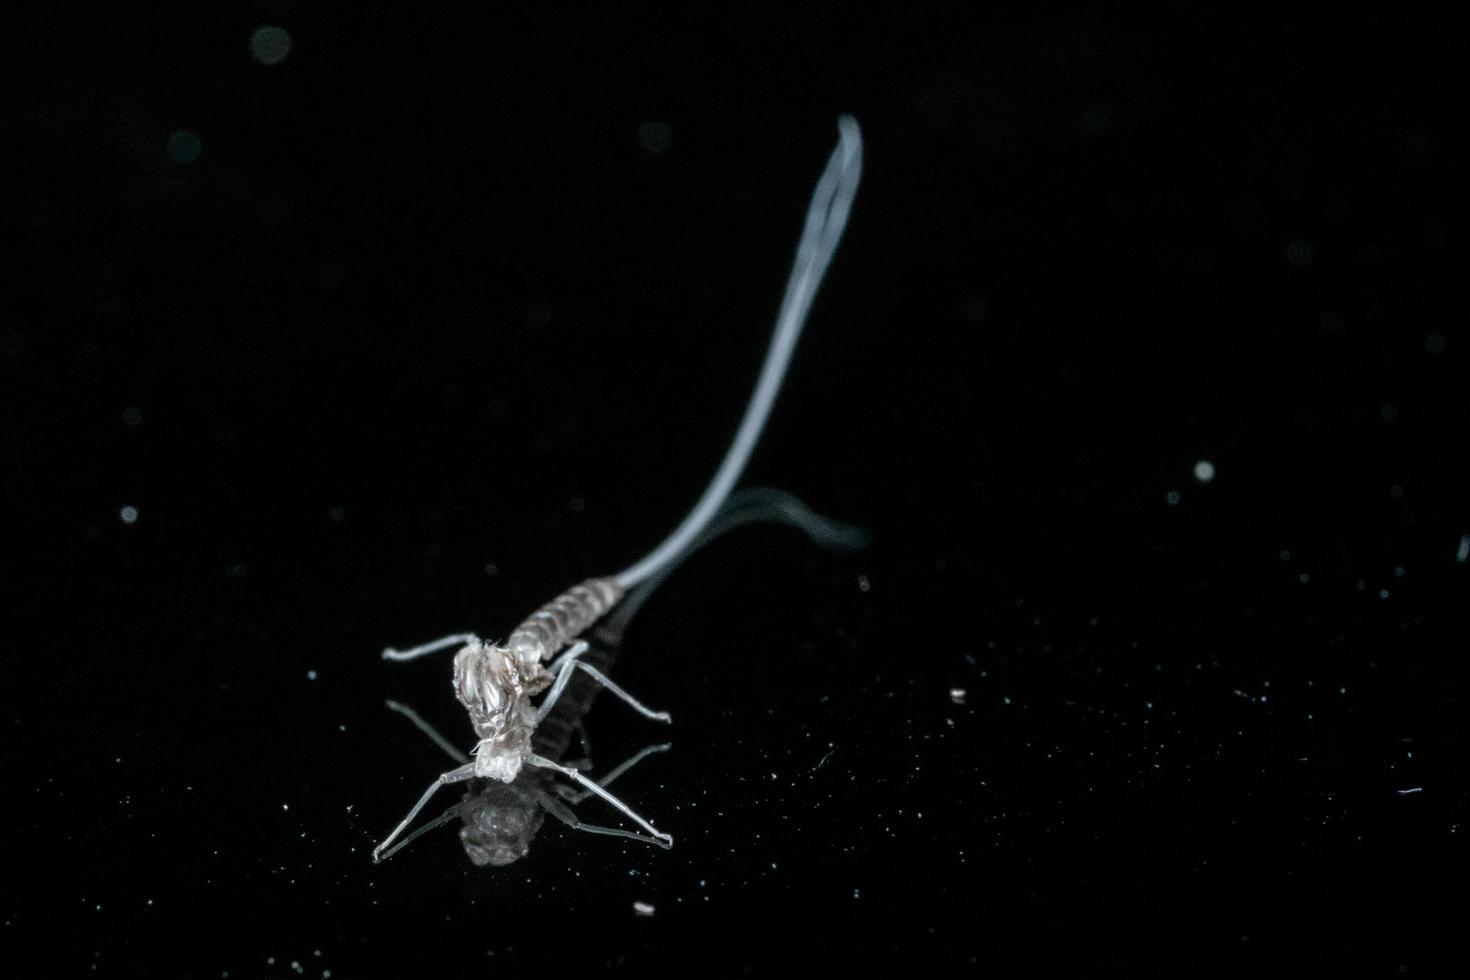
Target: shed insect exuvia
{"points": [[496, 682]]}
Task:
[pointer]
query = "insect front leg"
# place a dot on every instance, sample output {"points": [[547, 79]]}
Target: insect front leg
{"points": [[457, 639], [582, 780], [460, 775]]}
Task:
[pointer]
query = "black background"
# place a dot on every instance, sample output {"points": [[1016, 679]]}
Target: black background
{"points": [[458, 307]]}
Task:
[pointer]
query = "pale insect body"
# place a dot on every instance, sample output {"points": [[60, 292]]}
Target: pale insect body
{"points": [[501, 818], [495, 682]]}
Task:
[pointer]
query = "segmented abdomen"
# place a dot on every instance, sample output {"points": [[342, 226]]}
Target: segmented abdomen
{"points": [[563, 619]]}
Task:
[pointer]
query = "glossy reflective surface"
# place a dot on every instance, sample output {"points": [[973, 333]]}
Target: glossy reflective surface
{"points": [[1143, 362]]}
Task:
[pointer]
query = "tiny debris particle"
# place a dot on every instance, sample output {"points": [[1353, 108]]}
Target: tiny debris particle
{"points": [[129, 514], [643, 908], [958, 695], [311, 675], [1411, 790], [1464, 552], [1204, 471], [1172, 498]]}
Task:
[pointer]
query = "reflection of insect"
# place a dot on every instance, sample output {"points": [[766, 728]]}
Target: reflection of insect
{"points": [[494, 682], [500, 819]]}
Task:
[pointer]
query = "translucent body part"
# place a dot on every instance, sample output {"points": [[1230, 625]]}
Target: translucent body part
{"points": [[825, 219]]}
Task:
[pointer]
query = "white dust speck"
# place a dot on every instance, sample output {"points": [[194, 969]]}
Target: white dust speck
{"points": [[311, 675], [1172, 498], [863, 583], [1204, 471], [1411, 790], [184, 146], [129, 514], [1464, 552], [269, 45], [958, 695], [643, 908], [655, 138]]}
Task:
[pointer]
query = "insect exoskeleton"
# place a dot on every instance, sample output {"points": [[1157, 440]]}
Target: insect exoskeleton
{"points": [[493, 688]]}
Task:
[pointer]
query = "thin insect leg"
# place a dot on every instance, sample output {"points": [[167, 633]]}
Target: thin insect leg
{"points": [[563, 813], [429, 730], [448, 816], [458, 639], [572, 796], [459, 775], [607, 682], [582, 780], [561, 667]]}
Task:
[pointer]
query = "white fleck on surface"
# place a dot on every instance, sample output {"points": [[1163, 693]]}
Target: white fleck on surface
{"points": [[643, 908], [270, 45], [1204, 471], [1464, 552], [184, 146], [129, 514], [958, 695], [311, 675], [1172, 497]]}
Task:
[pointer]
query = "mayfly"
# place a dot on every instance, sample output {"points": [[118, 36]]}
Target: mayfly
{"points": [[496, 682], [499, 820]]}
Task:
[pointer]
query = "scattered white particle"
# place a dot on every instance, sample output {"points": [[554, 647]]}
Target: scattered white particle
{"points": [[1298, 254], [1398, 572], [184, 146], [491, 568], [1285, 555], [854, 893], [285, 806], [654, 138], [1172, 497], [1410, 790], [337, 514], [1464, 552], [1383, 593], [958, 695], [269, 45], [129, 514], [1304, 578], [863, 583], [1204, 471], [311, 675], [132, 416]]}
